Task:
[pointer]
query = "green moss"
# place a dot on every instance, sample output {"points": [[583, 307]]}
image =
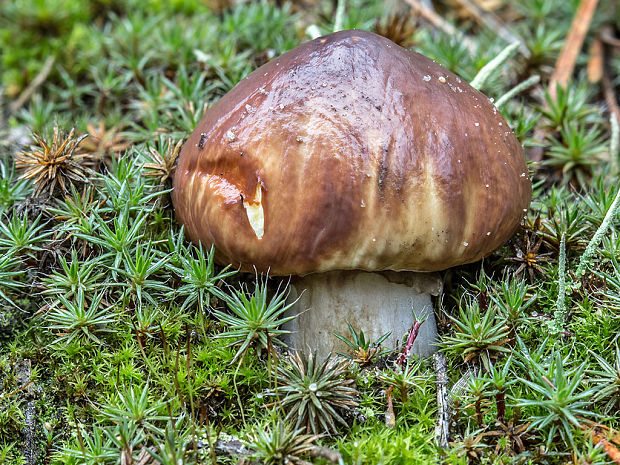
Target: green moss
{"points": [[151, 366]]}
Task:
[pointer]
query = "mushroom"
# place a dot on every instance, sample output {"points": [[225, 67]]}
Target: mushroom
{"points": [[360, 167]]}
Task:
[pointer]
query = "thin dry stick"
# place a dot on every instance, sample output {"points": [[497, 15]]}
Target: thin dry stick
{"points": [[596, 61], [440, 23], [612, 434], [34, 85], [565, 63], [610, 94], [442, 429], [612, 451], [597, 436], [492, 22], [608, 37], [614, 144]]}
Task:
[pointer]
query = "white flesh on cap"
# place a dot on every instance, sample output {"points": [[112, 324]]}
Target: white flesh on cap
{"points": [[254, 210]]}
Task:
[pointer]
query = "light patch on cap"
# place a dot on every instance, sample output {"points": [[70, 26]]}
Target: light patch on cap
{"points": [[429, 213], [254, 210]]}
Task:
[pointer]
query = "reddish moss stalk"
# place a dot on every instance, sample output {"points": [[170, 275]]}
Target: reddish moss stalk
{"points": [[413, 334], [478, 407], [500, 401]]}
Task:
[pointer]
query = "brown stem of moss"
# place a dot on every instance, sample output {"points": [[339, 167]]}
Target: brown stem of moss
{"points": [[500, 400]]}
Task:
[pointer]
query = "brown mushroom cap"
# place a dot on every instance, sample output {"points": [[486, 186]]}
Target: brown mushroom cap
{"points": [[351, 153]]}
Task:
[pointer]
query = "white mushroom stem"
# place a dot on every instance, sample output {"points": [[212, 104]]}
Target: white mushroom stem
{"points": [[374, 302]]}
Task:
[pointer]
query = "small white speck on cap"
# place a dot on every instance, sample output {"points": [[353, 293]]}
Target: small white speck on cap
{"points": [[465, 244], [501, 124], [476, 124], [441, 79], [522, 175], [488, 233], [525, 209], [459, 161], [324, 84], [281, 107], [427, 78], [362, 203], [299, 139], [230, 135], [487, 186], [374, 239]]}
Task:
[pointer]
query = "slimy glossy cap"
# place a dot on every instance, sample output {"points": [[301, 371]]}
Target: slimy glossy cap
{"points": [[350, 152]]}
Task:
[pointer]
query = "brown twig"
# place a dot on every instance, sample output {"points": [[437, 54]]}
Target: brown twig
{"points": [[34, 85], [493, 23], [607, 83], [19, 389], [610, 95], [565, 63], [612, 434], [439, 23], [596, 61], [597, 435], [608, 37], [611, 450]]}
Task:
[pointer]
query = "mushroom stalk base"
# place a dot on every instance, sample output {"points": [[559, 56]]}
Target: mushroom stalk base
{"points": [[375, 303]]}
